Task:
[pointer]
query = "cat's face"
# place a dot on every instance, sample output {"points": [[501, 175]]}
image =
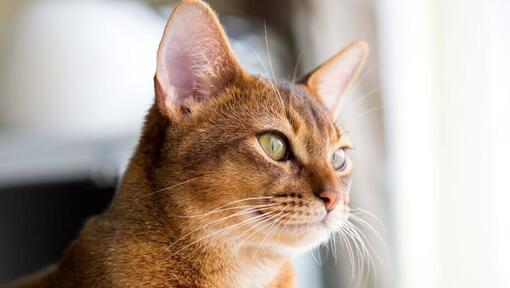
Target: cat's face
{"points": [[272, 160], [258, 164]]}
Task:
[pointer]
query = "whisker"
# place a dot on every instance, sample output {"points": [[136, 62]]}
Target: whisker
{"points": [[367, 225], [272, 83], [294, 72], [333, 248], [349, 107], [260, 60], [283, 227], [271, 65], [228, 228], [364, 114], [171, 187], [267, 51], [362, 78], [265, 220], [368, 213], [217, 210], [319, 256], [363, 243], [313, 256], [275, 223], [265, 223], [371, 249], [246, 211], [343, 238], [272, 214]]}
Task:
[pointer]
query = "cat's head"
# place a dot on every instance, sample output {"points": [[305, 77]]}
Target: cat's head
{"points": [[245, 160]]}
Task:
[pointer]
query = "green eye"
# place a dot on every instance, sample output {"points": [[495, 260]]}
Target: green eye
{"points": [[273, 145], [338, 160]]}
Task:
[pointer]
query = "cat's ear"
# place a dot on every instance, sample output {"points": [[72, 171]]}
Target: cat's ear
{"points": [[330, 81], [194, 59]]}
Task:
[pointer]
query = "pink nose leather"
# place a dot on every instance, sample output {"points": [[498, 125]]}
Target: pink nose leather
{"points": [[330, 199]]}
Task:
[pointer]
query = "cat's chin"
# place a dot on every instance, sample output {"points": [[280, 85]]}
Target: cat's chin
{"points": [[298, 245], [304, 237], [300, 238]]}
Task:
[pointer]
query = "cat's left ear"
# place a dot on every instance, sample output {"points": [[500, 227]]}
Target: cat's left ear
{"points": [[330, 81]]}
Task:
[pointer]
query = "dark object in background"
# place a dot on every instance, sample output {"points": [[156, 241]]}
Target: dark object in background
{"points": [[38, 222]]}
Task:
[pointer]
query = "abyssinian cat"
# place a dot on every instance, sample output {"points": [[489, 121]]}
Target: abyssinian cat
{"points": [[233, 173]]}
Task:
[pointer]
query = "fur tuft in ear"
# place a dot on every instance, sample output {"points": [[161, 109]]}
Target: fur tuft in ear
{"points": [[194, 60], [330, 81]]}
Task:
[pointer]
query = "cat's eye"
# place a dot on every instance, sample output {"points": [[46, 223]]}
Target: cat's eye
{"points": [[338, 160], [273, 145]]}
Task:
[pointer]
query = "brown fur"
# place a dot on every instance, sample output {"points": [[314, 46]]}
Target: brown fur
{"points": [[191, 164]]}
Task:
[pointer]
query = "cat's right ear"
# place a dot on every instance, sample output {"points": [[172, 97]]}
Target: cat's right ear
{"points": [[330, 81], [194, 59]]}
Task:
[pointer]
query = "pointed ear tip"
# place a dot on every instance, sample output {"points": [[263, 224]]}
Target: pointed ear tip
{"points": [[194, 3], [192, 7], [361, 46]]}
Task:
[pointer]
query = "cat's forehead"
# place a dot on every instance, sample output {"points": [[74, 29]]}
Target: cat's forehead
{"points": [[309, 119], [252, 107]]}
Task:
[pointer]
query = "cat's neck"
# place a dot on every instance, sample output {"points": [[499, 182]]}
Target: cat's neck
{"points": [[217, 264]]}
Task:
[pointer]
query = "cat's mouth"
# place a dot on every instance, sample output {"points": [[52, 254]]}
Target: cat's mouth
{"points": [[304, 225]]}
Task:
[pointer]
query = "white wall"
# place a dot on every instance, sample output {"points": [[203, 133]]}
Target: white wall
{"points": [[445, 86]]}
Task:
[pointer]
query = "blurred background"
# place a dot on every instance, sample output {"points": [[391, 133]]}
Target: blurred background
{"points": [[428, 118]]}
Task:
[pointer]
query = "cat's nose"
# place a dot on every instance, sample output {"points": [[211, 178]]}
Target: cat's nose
{"points": [[330, 198]]}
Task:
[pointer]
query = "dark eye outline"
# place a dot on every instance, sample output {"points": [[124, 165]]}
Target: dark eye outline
{"points": [[288, 152], [344, 164]]}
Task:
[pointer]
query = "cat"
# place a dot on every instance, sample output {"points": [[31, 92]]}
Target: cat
{"points": [[233, 173]]}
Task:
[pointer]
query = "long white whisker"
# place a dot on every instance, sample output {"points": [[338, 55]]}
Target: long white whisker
{"points": [[313, 256], [368, 213], [171, 187], [267, 50], [294, 73], [269, 216], [370, 247], [333, 248], [266, 220], [359, 254], [367, 225], [230, 203], [272, 228], [246, 211], [228, 228], [343, 236], [349, 107], [271, 65], [319, 256], [260, 60], [380, 107], [361, 79], [363, 242], [217, 210]]}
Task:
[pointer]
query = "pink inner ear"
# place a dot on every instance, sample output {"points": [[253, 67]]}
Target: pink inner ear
{"points": [[334, 78], [175, 59], [193, 51], [180, 78], [332, 88]]}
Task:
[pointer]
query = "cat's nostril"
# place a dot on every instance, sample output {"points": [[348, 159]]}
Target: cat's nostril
{"points": [[330, 199]]}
